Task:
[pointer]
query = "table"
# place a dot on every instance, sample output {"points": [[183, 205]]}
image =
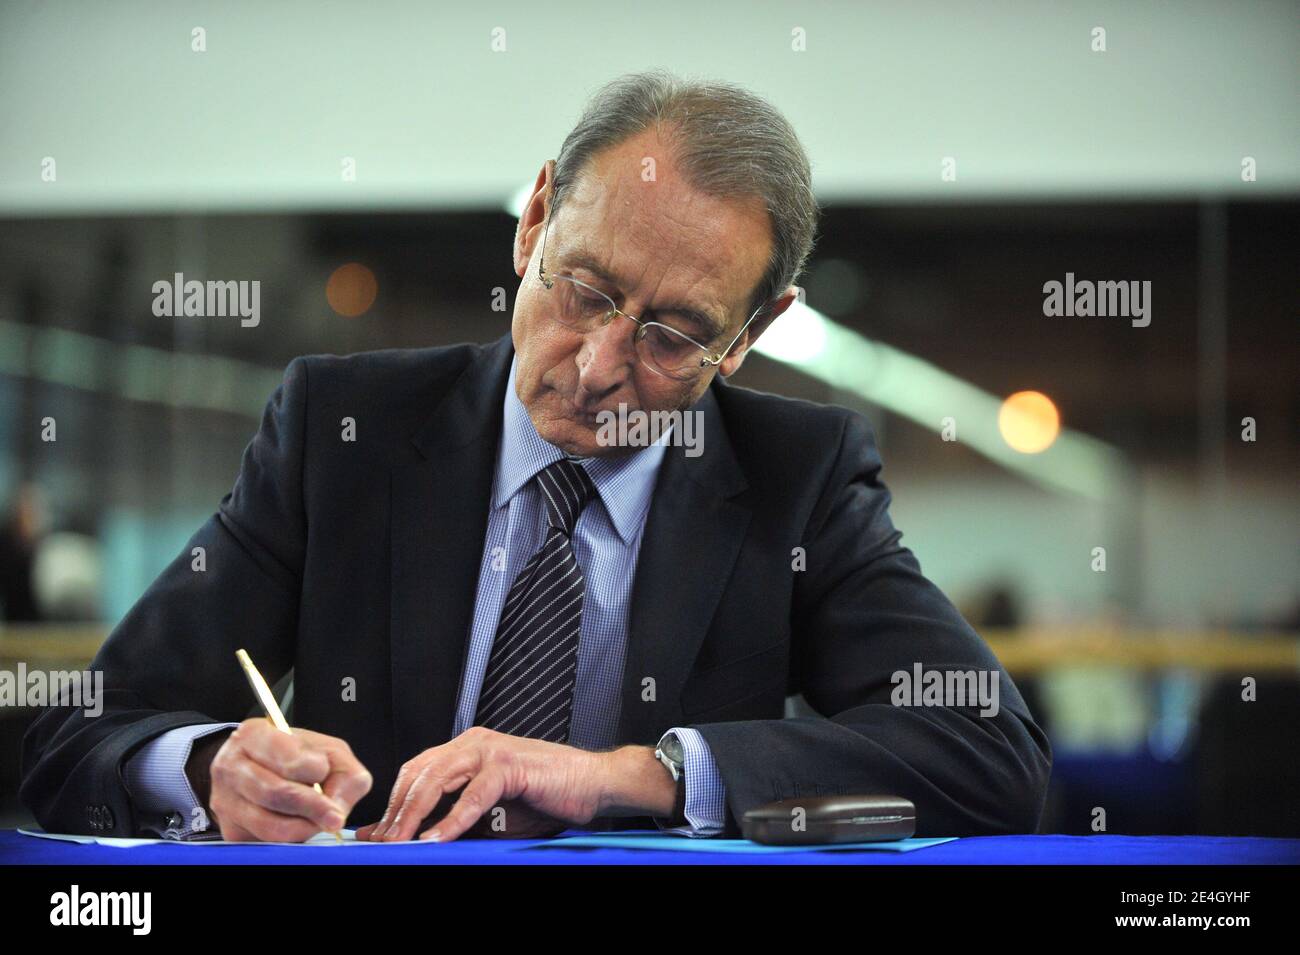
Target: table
{"points": [[1097, 850]]}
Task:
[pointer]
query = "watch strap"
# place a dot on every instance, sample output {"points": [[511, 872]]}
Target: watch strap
{"points": [[679, 806], [678, 817]]}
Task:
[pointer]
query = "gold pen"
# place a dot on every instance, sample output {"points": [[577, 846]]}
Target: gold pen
{"points": [[265, 697]]}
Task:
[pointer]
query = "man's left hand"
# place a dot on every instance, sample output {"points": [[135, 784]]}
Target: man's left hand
{"points": [[542, 788]]}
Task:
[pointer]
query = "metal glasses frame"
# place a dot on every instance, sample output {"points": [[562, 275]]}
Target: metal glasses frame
{"points": [[548, 278]]}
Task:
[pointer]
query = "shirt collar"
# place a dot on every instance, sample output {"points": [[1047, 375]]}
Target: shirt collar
{"points": [[625, 483]]}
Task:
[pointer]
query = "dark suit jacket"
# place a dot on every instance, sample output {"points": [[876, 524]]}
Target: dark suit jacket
{"points": [[360, 560]]}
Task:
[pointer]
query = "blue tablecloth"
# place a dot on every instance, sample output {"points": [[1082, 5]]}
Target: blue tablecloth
{"points": [[18, 849]]}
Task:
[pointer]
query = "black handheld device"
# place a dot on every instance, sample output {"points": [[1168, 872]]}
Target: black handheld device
{"points": [[819, 820]]}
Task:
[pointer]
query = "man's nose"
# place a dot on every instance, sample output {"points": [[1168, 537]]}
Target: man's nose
{"points": [[607, 357]]}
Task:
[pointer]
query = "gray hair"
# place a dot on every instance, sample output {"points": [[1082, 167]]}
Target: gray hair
{"points": [[729, 144]]}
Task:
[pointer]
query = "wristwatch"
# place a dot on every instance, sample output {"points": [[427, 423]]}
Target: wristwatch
{"points": [[669, 752]]}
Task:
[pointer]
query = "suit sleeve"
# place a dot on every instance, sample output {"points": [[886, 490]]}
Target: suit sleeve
{"points": [[862, 611], [170, 661]]}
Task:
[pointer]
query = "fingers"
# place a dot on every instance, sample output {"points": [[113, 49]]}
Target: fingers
{"points": [[483, 792], [290, 756], [440, 808], [420, 784], [298, 757], [364, 833], [263, 784], [426, 790], [348, 781], [255, 784], [548, 783], [401, 786], [407, 775]]}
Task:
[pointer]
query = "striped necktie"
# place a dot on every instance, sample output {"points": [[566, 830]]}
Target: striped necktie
{"points": [[528, 687]]}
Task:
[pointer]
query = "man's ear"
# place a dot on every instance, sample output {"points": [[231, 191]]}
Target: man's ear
{"points": [[534, 215], [731, 364]]}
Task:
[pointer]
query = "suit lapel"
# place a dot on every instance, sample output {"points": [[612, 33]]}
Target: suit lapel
{"points": [[692, 537], [438, 522]]}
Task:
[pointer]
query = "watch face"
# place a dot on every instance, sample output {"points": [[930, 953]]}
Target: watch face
{"points": [[671, 747]]}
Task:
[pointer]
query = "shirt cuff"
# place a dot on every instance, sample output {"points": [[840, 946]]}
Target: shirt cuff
{"points": [[156, 782], [706, 796]]}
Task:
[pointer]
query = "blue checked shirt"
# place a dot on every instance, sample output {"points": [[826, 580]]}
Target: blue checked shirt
{"points": [[606, 541]]}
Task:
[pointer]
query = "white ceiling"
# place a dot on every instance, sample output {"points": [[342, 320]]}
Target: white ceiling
{"points": [[138, 122]]}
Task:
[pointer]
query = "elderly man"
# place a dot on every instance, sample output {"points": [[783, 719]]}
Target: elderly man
{"points": [[501, 622]]}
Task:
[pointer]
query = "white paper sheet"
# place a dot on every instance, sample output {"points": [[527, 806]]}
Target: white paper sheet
{"points": [[320, 839]]}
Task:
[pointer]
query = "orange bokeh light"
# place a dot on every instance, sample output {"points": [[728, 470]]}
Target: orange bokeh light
{"points": [[1029, 422], [351, 289]]}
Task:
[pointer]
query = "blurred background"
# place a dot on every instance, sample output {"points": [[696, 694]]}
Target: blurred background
{"points": [[1125, 535]]}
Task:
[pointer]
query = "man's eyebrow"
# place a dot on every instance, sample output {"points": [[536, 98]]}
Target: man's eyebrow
{"points": [[711, 327]]}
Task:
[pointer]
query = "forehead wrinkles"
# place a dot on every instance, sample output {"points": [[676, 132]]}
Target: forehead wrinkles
{"points": [[655, 262], [633, 228], [672, 284], [680, 275]]}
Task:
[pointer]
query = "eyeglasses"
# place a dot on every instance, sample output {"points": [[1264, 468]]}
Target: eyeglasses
{"points": [[661, 348]]}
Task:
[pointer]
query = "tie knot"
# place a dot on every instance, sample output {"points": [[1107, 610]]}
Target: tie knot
{"points": [[566, 488]]}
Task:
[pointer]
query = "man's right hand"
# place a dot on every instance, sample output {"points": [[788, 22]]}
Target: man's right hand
{"points": [[261, 784]]}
